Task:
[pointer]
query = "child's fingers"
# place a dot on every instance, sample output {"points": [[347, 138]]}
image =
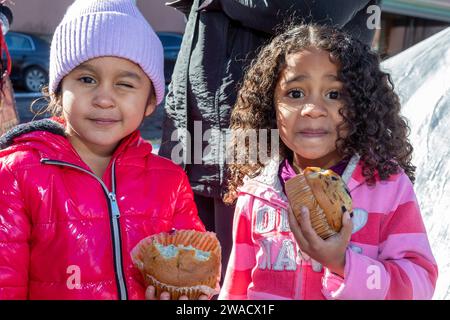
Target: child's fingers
{"points": [[183, 298], [295, 229], [347, 226], [203, 297], [164, 296], [150, 293], [307, 230]]}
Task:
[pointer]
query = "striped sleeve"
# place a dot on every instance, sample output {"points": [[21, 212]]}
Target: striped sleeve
{"points": [[405, 268], [242, 258]]}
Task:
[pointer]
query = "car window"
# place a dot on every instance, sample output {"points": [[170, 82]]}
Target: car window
{"points": [[17, 42], [170, 41]]}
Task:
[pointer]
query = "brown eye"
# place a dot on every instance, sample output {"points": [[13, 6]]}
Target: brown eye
{"points": [[296, 94], [87, 79], [333, 95]]}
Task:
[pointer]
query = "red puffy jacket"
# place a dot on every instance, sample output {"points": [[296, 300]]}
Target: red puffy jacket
{"points": [[64, 233]]}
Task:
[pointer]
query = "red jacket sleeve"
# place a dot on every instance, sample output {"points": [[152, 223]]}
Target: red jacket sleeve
{"points": [[14, 238], [186, 215]]}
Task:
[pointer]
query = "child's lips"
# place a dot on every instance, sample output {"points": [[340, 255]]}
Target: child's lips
{"points": [[313, 133], [104, 121]]}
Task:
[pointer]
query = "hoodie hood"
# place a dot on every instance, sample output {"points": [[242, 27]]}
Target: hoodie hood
{"points": [[267, 185], [46, 125]]}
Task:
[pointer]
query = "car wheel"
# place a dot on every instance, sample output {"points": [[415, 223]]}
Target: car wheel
{"points": [[34, 79]]}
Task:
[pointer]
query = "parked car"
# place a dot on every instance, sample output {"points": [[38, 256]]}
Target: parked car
{"points": [[171, 42], [30, 59]]}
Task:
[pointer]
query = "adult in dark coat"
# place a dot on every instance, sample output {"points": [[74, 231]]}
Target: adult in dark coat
{"points": [[221, 38]]}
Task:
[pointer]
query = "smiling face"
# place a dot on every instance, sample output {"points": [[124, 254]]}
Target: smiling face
{"points": [[307, 101], [104, 100]]}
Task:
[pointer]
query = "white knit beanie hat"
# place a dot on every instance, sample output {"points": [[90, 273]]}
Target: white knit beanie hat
{"points": [[95, 28]]}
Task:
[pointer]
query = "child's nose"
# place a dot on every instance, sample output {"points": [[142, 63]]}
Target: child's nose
{"points": [[313, 110], [103, 98]]}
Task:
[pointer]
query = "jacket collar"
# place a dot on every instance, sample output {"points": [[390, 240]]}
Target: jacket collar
{"points": [[48, 138], [46, 125], [267, 184]]}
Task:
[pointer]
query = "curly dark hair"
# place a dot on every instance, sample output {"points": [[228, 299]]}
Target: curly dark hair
{"points": [[371, 109]]}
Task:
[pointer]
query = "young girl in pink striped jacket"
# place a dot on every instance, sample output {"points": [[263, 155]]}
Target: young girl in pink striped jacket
{"points": [[333, 108]]}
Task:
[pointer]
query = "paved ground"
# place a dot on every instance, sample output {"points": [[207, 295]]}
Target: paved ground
{"points": [[150, 129]]}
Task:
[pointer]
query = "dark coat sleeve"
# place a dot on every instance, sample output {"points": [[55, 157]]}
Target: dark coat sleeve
{"points": [[184, 6], [357, 26], [264, 15]]}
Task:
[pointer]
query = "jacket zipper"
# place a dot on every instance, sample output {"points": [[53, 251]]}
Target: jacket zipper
{"points": [[114, 214]]}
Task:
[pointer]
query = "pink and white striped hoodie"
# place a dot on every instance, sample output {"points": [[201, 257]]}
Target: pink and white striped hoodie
{"points": [[389, 256]]}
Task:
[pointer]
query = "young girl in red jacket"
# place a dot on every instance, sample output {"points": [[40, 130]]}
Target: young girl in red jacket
{"points": [[333, 107], [80, 190]]}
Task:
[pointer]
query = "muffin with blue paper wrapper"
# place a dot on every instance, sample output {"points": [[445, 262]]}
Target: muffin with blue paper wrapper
{"points": [[182, 262]]}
